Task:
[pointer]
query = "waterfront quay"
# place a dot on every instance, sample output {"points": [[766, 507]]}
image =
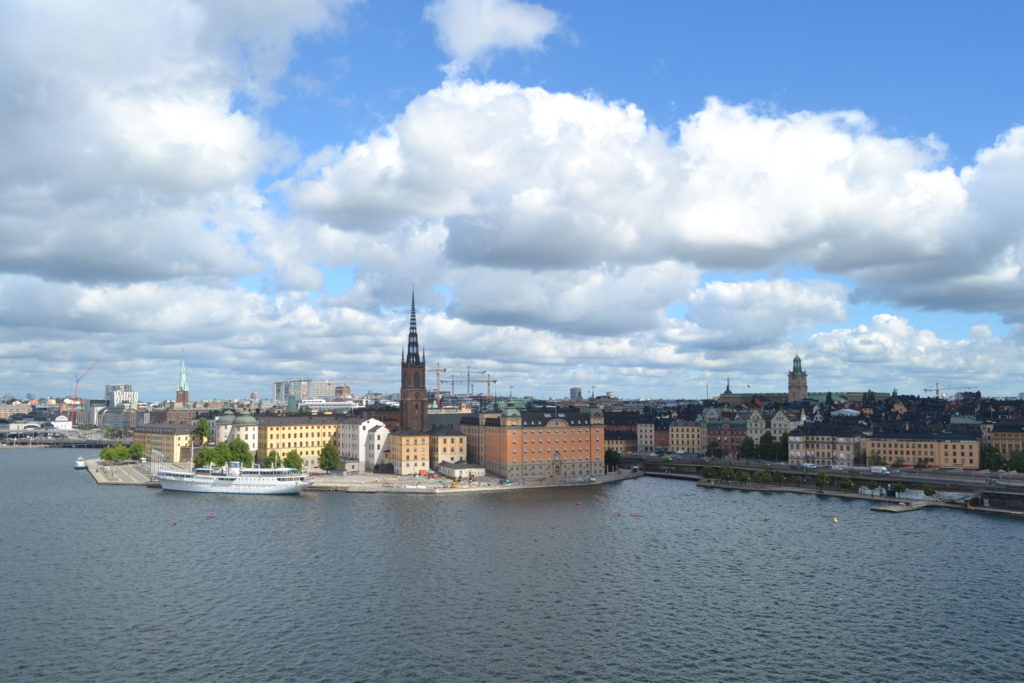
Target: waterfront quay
{"points": [[143, 474]]}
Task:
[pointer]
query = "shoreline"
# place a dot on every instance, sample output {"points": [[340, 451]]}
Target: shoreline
{"points": [[139, 475], [883, 501]]}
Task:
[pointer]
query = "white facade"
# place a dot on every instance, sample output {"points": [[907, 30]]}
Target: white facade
{"points": [[116, 394], [303, 389], [362, 440]]}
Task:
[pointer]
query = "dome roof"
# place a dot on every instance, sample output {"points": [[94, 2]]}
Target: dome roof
{"points": [[594, 412], [226, 418], [510, 412], [245, 419]]}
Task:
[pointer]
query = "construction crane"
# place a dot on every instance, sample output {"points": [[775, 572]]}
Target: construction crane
{"points": [[469, 379], [937, 389], [74, 398], [437, 370]]}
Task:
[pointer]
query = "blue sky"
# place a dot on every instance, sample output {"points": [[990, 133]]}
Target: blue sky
{"points": [[645, 198]]}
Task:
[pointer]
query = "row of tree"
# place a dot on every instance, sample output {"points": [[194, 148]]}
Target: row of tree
{"points": [[766, 448], [121, 453]]}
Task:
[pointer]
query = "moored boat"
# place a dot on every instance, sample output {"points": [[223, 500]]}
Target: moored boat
{"points": [[80, 463], [233, 478]]}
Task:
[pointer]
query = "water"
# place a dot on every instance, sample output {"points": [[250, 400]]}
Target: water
{"points": [[98, 584]]}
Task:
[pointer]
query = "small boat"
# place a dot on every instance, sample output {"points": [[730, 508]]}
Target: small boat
{"points": [[80, 463], [233, 478]]}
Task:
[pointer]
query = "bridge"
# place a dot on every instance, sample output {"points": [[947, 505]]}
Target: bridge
{"points": [[55, 439]]}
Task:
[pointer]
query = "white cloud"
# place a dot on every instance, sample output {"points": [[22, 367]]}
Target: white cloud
{"points": [[469, 31], [741, 315], [509, 168]]}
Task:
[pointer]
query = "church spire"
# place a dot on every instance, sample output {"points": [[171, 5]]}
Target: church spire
{"points": [[182, 376], [412, 354]]}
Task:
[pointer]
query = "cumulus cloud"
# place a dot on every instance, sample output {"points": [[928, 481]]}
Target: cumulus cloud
{"points": [[121, 168], [469, 31], [742, 315], [506, 168]]}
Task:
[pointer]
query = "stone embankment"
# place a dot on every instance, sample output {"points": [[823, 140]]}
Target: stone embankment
{"points": [[142, 474]]}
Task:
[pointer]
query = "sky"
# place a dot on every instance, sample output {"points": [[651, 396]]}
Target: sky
{"points": [[649, 198]]}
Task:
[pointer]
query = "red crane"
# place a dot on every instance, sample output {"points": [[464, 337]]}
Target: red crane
{"points": [[79, 378]]}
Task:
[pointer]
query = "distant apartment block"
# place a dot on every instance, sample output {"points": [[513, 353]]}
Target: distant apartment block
{"points": [[116, 394], [303, 389]]}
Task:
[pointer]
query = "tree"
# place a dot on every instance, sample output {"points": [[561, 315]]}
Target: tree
{"points": [[846, 483], [869, 396], [714, 449], [612, 458], [991, 459], [929, 490], [778, 477], [743, 477], [763, 477], [239, 451], [1016, 461], [202, 430], [330, 459], [766, 447], [707, 472], [727, 473], [204, 458], [828, 401], [273, 459], [899, 487], [821, 480], [782, 453], [872, 485], [293, 459], [748, 451]]}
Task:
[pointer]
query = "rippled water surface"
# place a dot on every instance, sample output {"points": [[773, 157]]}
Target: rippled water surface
{"points": [[128, 583]]}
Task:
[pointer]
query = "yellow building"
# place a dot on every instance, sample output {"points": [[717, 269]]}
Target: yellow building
{"points": [[689, 437], [408, 451], [447, 444], [172, 440], [538, 444], [923, 450], [306, 434]]}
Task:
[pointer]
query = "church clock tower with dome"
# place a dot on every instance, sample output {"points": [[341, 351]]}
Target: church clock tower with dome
{"points": [[797, 381]]}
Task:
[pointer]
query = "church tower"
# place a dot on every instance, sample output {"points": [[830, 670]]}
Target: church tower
{"points": [[797, 381], [181, 398], [413, 401]]}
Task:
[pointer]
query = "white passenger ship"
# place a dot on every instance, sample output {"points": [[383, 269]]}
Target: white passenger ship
{"points": [[234, 479]]}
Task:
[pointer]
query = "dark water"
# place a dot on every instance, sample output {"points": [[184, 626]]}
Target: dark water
{"points": [[97, 584]]}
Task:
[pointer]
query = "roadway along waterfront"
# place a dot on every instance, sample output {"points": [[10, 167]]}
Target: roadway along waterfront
{"points": [[640, 580]]}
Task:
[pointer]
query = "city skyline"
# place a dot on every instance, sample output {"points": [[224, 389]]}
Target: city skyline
{"points": [[646, 200]]}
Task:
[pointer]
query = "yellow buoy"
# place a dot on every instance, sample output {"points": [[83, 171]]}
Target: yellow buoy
{"points": [[835, 520]]}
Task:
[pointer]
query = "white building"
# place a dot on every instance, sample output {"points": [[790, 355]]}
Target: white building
{"points": [[116, 394], [230, 426], [362, 440], [303, 390]]}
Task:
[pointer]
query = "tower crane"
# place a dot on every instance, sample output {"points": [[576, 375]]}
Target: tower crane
{"points": [[74, 398], [437, 370], [937, 389]]}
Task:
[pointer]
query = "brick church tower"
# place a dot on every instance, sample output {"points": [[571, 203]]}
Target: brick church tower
{"points": [[413, 398]]}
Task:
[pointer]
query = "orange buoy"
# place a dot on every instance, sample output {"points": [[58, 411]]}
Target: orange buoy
{"points": [[579, 503], [174, 524], [633, 514], [209, 516]]}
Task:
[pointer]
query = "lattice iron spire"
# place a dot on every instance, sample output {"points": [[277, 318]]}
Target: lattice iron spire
{"points": [[412, 354]]}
